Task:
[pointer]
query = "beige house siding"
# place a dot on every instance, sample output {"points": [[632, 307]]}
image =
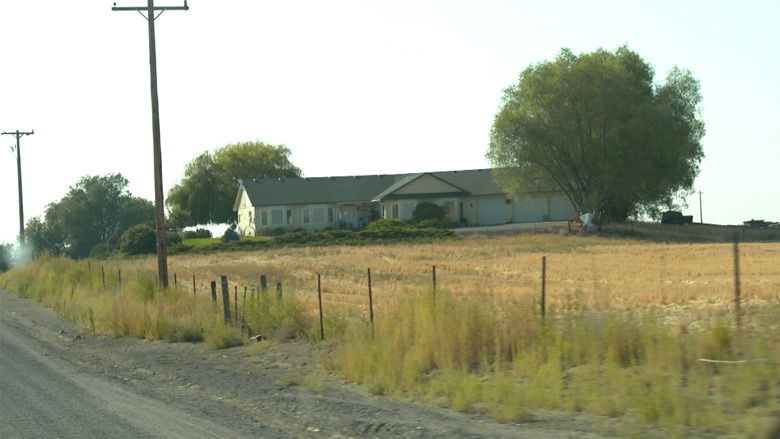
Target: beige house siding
{"points": [[246, 216], [426, 184]]}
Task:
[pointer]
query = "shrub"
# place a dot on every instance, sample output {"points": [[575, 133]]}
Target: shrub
{"points": [[189, 234], [172, 238], [428, 211], [100, 251], [230, 234], [5, 257], [383, 224], [138, 240]]}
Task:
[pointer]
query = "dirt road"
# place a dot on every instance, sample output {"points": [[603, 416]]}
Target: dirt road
{"points": [[58, 381]]}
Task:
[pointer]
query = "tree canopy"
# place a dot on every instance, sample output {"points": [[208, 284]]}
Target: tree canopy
{"points": [[97, 210], [596, 127], [208, 190]]}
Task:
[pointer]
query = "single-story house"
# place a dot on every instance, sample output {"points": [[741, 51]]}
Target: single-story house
{"points": [[469, 197]]}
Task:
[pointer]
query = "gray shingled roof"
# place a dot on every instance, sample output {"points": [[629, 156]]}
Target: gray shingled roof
{"points": [[357, 189]]}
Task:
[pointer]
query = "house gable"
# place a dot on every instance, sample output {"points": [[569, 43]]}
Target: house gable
{"points": [[418, 186]]}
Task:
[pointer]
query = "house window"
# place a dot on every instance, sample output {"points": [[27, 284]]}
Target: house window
{"points": [[250, 216], [277, 217], [263, 217], [289, 217], [394, 211], [306, 216], [330, 215], [461, 210], [318, 215], [384, 212]]}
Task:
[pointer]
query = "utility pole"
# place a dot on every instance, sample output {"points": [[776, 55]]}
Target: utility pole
{"points": [[159, 212], [18, 136], [701, 217]]}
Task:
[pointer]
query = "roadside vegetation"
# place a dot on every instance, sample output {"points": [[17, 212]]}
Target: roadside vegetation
{"points": [[626, 326]]}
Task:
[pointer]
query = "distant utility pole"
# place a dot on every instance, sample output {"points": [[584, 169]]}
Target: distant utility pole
{"points": [[159, 213], [18, 136], [701, 217]]}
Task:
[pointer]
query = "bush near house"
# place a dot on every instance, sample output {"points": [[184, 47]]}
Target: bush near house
{"points": [[139, 240]]}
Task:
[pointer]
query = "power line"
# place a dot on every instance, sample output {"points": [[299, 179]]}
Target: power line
{"points": [[18, 136], [159, 212]]}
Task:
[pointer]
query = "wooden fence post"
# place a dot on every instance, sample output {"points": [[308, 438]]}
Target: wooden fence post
{"points": [[278, 291], [370, 304], [103, 274], [175, 281], [120, 277], [544, 279], [213, 291], [736, 281], [263, 283], [235, 302], [319, 297], [225, 298], [434, 284], [193, 285]]}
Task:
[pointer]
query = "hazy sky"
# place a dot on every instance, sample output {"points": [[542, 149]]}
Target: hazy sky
{"points": [[358, 87]]}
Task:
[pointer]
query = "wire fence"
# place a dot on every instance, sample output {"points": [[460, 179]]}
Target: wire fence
{"points": [[728, 281]]}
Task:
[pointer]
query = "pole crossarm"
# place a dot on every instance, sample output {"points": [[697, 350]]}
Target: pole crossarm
{"points": [[18, 134], [154, 8]]}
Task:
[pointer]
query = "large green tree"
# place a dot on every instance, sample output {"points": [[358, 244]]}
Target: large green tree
{"points": [[597, 127], [96, 210], [208, 190]]}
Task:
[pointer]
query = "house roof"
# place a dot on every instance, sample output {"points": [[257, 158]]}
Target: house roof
{"points": [[357, 189]]}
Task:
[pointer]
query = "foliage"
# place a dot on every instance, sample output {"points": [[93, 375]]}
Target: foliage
{"points": [[95, 210], [230, 234], [139, 240], [425, 210], [206, 193], [596, 127], [377, 232], [5, 257], [195, 234]]}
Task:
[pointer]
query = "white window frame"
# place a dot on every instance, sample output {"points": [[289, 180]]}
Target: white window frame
{"points": [[289, 217]]}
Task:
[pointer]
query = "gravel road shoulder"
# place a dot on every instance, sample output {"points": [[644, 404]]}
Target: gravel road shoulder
{"points": [[254, 391]]}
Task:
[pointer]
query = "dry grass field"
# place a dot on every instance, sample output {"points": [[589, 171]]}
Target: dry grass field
{"points": [[627, 322], [686, 282]]}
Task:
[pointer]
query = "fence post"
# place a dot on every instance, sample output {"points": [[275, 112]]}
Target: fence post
{"points": [[89, 266], [235, 302], [319, 297], [243, 311], [434, 284], [736, 280], [175, 281], [120, 277], [193, 285], [103, 274], [225, 298], [370, 304], [213, 291], [544, 279], [263, 283]]}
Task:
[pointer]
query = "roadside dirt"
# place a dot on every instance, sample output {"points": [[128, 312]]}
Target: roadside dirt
{"points": [[262, 390]]}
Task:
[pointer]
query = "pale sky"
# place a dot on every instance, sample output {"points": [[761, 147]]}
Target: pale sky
{"points": [[358, 87]]}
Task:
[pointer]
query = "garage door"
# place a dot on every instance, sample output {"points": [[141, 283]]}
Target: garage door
{"points": [[528, 210], [491, 211], [561, 208]]}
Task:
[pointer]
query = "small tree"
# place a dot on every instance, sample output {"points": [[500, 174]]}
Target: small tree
{"points": [[230, 234]]}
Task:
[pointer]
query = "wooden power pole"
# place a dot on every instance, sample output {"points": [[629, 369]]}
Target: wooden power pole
{"points": [[18, 136], [159, 212]]}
